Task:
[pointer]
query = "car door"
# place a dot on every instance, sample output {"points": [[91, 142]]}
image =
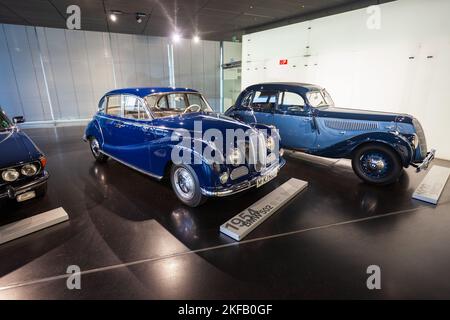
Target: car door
{"points": [[133, 135], [110, 121], [294, 120], [263, 106]]}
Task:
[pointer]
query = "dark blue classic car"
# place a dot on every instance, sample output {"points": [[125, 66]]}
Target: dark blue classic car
{"points": [[22, 164], [173, 132], [379, 144]]}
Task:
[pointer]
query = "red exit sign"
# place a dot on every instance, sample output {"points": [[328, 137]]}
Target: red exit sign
{"points": [[283, 61]]}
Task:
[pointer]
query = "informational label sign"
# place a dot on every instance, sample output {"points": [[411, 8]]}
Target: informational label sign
{"points": [[245, 222], [430, 189], [32, 224], [283, 61]]}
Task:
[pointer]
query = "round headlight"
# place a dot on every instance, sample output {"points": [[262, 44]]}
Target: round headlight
{"points": [[29, 170], [234, 157], [10, 175], [224, 178], [270, 143]]}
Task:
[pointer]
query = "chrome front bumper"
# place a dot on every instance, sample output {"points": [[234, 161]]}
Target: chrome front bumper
{"points": [[12, 192], [426, 162], [242, 186]]}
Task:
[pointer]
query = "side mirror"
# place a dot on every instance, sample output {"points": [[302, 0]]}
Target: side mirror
{"points": [[19, 119]]}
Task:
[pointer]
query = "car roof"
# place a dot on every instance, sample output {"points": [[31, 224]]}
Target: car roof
{"points": [[291, 86], [145, 91]]}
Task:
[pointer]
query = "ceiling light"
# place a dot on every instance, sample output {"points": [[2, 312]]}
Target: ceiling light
{"points": [[196, 39], [139, 17], [113, 15], [176, 37]]}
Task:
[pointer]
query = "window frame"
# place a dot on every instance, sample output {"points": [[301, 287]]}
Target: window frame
{"points": [[121, 106]]}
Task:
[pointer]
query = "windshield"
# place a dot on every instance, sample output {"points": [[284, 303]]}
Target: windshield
{"points": [[319, 98], [4, 121], [172, 104]]}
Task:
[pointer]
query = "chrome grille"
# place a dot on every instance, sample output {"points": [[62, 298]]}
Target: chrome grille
{"points": [[421, 135], [239, 172], [256, 151], [351, 125]]}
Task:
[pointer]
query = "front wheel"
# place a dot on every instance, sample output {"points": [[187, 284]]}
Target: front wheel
{"points": [[95, 149], [186, 186], [377, 164]]}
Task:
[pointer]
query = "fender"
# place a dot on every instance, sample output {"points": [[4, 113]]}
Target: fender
{"points": [[199, 163], [344, 149], [93, 130]]}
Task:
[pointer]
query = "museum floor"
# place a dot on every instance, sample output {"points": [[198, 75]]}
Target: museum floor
{"points": [[133, 239]]}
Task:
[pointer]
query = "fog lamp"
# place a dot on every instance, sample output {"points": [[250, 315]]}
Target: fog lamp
{"points": [[29, 170], [10, 175], [224, 178]]}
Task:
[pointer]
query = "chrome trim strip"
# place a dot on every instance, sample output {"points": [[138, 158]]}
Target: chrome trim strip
{"points": [[132, 167]]}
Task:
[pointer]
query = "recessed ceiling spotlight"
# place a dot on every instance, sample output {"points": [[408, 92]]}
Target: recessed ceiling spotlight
{"points": [[139, 17], [113, 15], [196, 39], [176, 37]]}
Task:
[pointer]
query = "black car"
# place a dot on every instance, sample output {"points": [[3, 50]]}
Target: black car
{"points": [[22, 164]]}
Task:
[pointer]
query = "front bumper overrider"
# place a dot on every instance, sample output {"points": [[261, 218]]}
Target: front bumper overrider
{"points": [[244, 185], [12, 192], [426, 162]]}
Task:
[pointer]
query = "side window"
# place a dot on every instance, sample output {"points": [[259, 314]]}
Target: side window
{"points": [[177, 101], [264, 101], [114, 106], [143, 115], [102, 105], [246, 101], [291, 102], [130, 107], [162, 103]]}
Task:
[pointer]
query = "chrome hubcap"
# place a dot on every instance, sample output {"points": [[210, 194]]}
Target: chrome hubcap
{"points": [[184, 183], [375, 164], [95, 147]]}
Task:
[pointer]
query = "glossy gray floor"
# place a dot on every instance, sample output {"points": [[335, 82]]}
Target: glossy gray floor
{"points": [[133, 239]]}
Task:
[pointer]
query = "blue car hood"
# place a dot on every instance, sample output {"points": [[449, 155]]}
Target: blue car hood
{"points": [[355, 114], [16, 148], [207, 120]]}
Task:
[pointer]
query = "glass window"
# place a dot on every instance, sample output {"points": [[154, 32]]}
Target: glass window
{"points": [[264, 101], [196, 99], [114, 106], [102, 105], [162, 103], [319, 98], [246, 101], [143, 114], [130, 107], [177, 101], [4, 121], [291, 102]]}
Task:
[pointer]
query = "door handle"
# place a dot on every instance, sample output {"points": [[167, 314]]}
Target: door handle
{"points": [[119, 125]]}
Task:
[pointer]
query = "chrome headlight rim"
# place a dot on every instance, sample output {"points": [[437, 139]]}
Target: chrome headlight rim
{"points": [[415, 140], [14, 172], [33, 172]]}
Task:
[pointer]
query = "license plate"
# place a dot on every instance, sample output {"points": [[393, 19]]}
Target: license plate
{"points": [[26, 196], [266, 178]]}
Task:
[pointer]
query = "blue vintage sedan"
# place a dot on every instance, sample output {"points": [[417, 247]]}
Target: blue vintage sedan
{"points": [[379, 144], [22, 164], [173, 132]]}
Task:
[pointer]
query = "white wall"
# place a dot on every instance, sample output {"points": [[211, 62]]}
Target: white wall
{"points": [[79, 67], [367, 68]]}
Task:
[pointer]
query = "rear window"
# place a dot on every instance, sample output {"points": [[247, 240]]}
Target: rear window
{"points": [[113, 107]]}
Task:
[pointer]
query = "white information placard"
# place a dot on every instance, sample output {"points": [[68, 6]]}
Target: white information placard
{"points": [[430, 189], [245, 222], [32, 224]]}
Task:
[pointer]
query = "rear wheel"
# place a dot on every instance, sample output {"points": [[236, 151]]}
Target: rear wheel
{"points": [[186, 186], [377, 164], [95, 149]]}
